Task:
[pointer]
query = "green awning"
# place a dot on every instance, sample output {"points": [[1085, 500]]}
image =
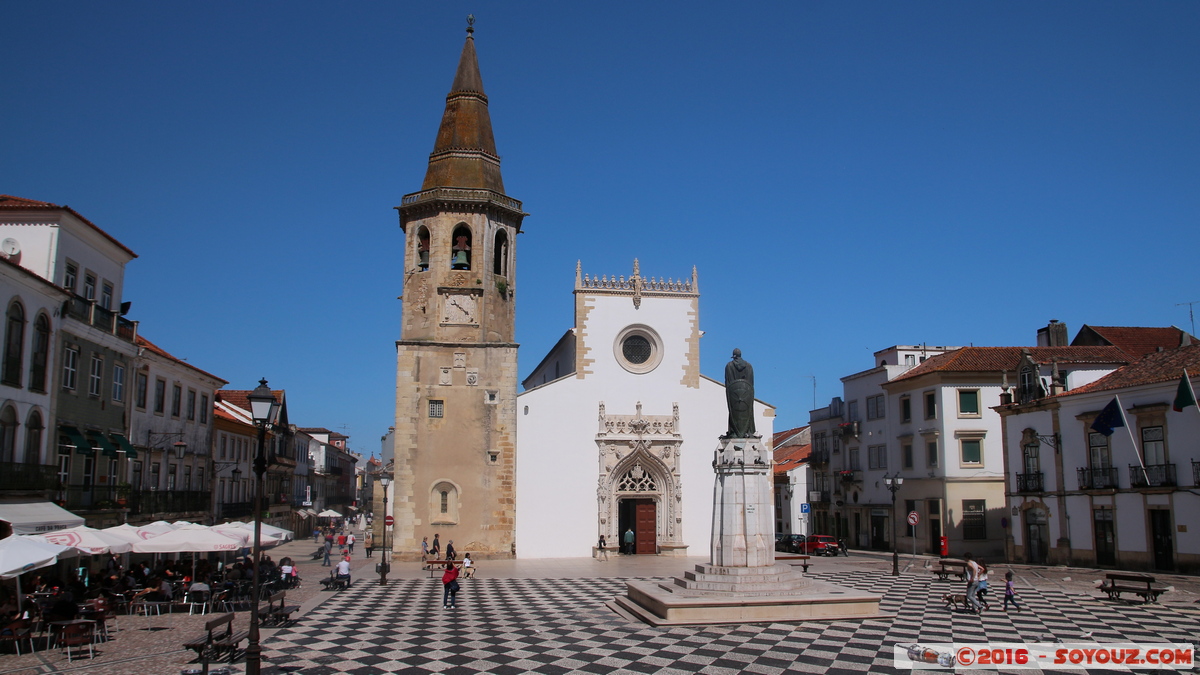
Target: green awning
{"points": [[125, 446], [82, 447], [98, 440]]}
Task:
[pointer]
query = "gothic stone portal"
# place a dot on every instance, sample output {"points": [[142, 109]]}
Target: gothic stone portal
{"points": [[639, 482]]}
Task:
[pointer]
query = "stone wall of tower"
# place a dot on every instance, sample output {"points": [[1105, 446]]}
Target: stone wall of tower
{"points": [[470, 451]]}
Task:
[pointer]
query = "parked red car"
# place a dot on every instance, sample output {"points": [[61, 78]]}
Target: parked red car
{"points": [[820, 544]]}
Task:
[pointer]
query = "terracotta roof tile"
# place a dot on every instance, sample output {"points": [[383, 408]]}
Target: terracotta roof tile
{"points": [[241, 397], [787, 457], [1136, 341], [997, 359], [781, 437], [1153, 368], [11, 203]]}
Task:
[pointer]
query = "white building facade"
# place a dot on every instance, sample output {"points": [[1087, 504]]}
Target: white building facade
{"points": [[617, 427]]}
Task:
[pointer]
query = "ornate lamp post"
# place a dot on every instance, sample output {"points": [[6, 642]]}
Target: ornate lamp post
{"points": [[385, 479], [263, 409], [893, 485]]}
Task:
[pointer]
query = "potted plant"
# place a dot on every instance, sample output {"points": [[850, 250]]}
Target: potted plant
{"points": [[123, 491]]}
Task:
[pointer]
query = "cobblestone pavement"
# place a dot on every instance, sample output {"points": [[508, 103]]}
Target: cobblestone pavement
{"points": [[549, 617]]}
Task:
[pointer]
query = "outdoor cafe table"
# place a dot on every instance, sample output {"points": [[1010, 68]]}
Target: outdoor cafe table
{"points": [[63, 624]]}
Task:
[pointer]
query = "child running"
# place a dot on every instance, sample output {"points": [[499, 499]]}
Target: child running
{"points": [[1010, 594]]}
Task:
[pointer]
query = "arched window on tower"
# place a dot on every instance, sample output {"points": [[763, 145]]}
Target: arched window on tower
{"points": [[500, 254], [443, 503], [14, 345], [460, 248], [423, 249], [41, 353]]}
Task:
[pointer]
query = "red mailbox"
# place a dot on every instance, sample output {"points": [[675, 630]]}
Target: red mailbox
{"points": [[945, 544]]}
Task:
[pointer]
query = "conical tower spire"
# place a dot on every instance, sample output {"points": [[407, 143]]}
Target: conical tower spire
{"points": [[464, 155]]}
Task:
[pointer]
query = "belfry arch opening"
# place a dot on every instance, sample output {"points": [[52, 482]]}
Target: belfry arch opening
{"points": [[423, 248], [460, 248], [500, 254]]}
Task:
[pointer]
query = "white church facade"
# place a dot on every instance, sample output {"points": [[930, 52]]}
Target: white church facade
{"points": [[617, 427]]}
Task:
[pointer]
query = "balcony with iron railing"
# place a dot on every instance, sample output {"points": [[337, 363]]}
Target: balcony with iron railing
{"points": [[236, 510], [819, 497], [1104, 478], [87, 311], [1154, 475], [849, 475], [1029, 482], [28, 477], [819, 457]]}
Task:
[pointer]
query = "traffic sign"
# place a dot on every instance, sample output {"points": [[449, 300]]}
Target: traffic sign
{"points": [[388, 520], [805, 508], [913, 518]]}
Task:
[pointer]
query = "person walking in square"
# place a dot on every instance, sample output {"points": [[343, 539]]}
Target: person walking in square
{"points": [[450, 552], [973, 569], [424, 549], [350, 543], [449, 585], [369, 543], [629, 541], [436, 549], [602, 553], [328, 550], [1010, 592]]}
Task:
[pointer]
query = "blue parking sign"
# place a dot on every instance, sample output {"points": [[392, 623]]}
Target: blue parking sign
{"points": [[804, 508]]}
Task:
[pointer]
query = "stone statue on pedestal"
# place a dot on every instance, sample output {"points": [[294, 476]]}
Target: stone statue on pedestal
{"points": [[739, 395]]}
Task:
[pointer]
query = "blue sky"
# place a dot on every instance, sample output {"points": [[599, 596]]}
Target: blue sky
{"points": [[845, 176]]}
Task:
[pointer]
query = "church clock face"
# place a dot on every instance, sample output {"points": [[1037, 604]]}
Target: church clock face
{"points": [[460, 309]]}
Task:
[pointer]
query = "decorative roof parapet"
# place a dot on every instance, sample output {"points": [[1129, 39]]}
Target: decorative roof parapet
{"points": [[636, 285], [437, 197]]}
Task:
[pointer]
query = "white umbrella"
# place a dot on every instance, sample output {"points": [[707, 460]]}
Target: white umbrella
{"points": [[19, 554], [329, 513], [128, 533], [87, 539], [198, 539], [156, 528], [246, 536], [279, 532]]}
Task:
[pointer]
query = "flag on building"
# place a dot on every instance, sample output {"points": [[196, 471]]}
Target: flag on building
{"points": [[1110, 418], [1185, 396]]}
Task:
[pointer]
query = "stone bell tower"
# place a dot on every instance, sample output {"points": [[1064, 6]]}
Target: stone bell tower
{"points": [[456, 365]]}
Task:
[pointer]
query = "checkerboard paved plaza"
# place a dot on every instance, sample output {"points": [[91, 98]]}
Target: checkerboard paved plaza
{"points": [[562, 626]]}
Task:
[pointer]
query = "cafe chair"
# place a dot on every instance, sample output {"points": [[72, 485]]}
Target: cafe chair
{"points": [[16, 631], [78, 635]]}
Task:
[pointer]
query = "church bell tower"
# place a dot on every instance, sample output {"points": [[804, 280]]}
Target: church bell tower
{"points": [[456, 365]]}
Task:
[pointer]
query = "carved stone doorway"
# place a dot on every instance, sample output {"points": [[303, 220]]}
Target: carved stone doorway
{"points": [[640, 515]]}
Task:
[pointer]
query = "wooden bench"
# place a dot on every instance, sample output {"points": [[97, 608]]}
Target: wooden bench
{"points": [[336, 583], [226, 640], [1117, 583], [801, 560], [435, 566], [946, 568], [277, 613]]}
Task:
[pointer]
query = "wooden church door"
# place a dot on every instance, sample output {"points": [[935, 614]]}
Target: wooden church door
{"points": [[645, 526]]}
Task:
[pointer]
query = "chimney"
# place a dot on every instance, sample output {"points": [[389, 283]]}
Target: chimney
{"points": [[1053, 335]]}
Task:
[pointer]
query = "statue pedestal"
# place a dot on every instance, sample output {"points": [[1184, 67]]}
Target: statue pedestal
{"points": [[743, 583]]}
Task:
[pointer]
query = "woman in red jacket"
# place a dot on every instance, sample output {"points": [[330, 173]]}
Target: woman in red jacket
{"points": [[449, 585]]}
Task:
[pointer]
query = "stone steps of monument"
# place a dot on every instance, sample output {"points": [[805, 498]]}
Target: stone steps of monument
{"points": [[740, 586], [776, 578]]}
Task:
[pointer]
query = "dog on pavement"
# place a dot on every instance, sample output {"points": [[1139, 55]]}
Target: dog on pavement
{"points": [[953, 600]]}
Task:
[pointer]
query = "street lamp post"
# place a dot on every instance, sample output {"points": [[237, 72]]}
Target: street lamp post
{"points": [[263, 409], [893, 485], [384, 480]]}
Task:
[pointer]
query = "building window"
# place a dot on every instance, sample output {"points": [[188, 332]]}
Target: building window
{"points": [[974, 519], [171, 473], [910, 359], [191, 405], [500, 261], [968, 403], [69, 277], [14, 345], [905, 409], [437, 408], [8, 434], [1153, 450], [118, 389], [89, 286], [852, 411], [224, 445], [443, 503], [931, 453], [876, 407], [176, 400], [853, 457], [70, 367], [638, 349], [96, 376], [930, 405], [33, 438], [41, 354], [106, 295], [972, 450], [203, 408], [877, 456], [135, 477], [140, 390], [1098, 451], [160, 396], [907, 451]]}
